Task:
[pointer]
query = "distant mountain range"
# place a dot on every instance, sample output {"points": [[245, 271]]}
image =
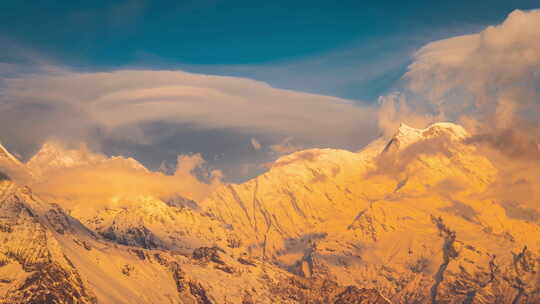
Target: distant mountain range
{"points": [[408, 219]]}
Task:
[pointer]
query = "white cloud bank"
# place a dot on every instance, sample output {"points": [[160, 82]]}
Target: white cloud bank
{"points": [[486, 80], [85, 179], [69, 103], [490, 83]]}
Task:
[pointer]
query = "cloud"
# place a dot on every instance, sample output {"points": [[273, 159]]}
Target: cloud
{"points": [[513, 143], [518, 165], [286, 147], [255, 143], [394, 162], [490, 83], [125, 97], [492, 75], [117, 181], [394, 110], [307, 155], [486, 80], [118, 104]]}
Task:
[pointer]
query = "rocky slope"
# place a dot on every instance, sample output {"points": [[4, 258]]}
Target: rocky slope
{"points": [[409, 220], [47, 256], [147, 250], [406, 220]]}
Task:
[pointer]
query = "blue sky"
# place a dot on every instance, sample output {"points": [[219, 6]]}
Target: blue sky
{"points": [[311, 40], [354, 50]]}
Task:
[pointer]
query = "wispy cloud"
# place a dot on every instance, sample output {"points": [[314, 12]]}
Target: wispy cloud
{"points": [[485, 80], [492, 75], [490, 83], [121, 98], [120, 180]]}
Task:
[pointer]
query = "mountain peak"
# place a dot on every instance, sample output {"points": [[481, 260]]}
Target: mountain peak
{"points": [[406, 135], [53, 146], [4, 154], [455, 130], [10, 166], [55, 155], [404, 128]]}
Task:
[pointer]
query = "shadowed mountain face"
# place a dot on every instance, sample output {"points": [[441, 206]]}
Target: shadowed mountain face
{"points": [[409, 219], [11, 167]]}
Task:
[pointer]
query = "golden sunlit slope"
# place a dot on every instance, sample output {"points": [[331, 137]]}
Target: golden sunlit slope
{"points": [[413, 218], [119, 199], [414, 221], [47, 256]]}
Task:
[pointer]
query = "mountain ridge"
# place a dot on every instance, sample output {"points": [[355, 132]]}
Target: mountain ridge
{"points": [[404, 220], [398, 199]]}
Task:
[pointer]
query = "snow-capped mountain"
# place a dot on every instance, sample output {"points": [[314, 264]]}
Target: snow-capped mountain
{"points": [[47, 256], [10, 166], [141, 249], [405, 135], [54, 155], [151, 223], [8, 157], [147, 221], [411, 222], [408, 219]]}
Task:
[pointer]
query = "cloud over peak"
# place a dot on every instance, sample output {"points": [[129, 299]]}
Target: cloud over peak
{"points": [[493, 74], [129, 97]]}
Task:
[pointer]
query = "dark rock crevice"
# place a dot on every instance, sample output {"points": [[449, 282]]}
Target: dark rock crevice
{"points": [[449, 253]]}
